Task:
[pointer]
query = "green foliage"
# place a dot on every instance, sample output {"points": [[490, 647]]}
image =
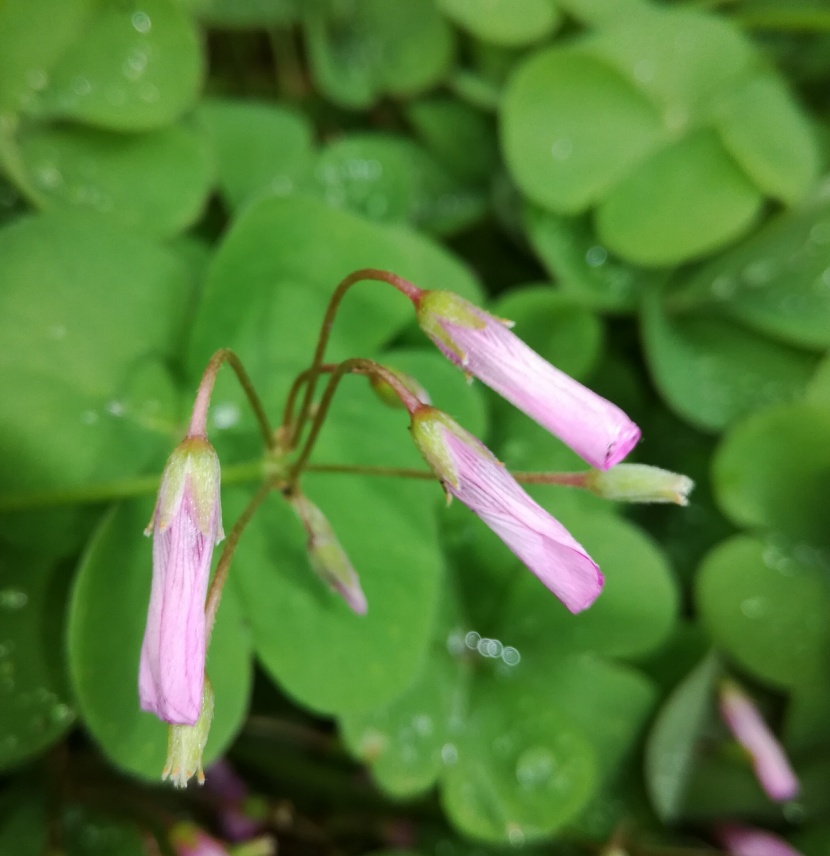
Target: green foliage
{"points": [[638, 186]]}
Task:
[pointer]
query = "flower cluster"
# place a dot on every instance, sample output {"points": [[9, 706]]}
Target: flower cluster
{"points": [[187, 524]]}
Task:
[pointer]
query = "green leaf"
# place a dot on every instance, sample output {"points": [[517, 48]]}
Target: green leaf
{"points": [[458, 135], [763, 129], [680, 58], [24, 824], [686, 200], [394, 180], [572, 128], [28, 49], [105, 676], [633, 615], [766, 605], [260, 148], [37, 709], [522, 768], [773, 470], [818, 390], [360, 52], [86, 314], [670, 751], [581, 266], [776, 282], [269, 284], [156, 183], [135, 66], [711, 372], [504, 22]]}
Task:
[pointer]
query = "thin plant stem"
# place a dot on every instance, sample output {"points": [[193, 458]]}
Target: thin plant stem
{"points": [[200, 406], [223, 566], [565, 479], [401, 284], [353, 366], [296, 386]]}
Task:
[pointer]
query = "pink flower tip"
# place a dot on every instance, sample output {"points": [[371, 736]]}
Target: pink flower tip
{"points": [[771, 765], [739, 840], [186, 524], [484, 347], [472, 474]]}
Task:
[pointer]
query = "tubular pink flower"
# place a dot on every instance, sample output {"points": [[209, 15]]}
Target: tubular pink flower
{"points": [[741, 840], [771, 765], [484, 347], [471, 473], [186, 525]]}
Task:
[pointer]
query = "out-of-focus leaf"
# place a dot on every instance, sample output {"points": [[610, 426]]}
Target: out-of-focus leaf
{"points": [[671, 745], [36, 709], [260, 148], [687, 200], [773, 470], [243, 14], [776, 282], [359, 52], [559, 159], [155, 183], [135, 66], [711, 372], [459, 136], [504, 22], [109, 606], [581, 266], [394, 180], [766, 606], [765, 132]]}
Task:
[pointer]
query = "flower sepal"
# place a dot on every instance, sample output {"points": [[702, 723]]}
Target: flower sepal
{"points": [[186, 744]]}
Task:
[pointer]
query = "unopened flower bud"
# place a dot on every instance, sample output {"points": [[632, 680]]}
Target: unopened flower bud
{"points": [[772, 767], [470, 472], [483, 346], [327, 557], [186, 524], [186, 744], [640, 483], [388, 395]]}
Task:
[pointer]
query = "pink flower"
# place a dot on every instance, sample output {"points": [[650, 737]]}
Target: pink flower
{"points": [[185, 526], [235, 821], [483, 346], [188, 840], [747, 841], [772, 768], [470, 472]]}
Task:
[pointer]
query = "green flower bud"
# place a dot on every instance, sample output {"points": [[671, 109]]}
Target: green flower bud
{"points": [[640, 483]]}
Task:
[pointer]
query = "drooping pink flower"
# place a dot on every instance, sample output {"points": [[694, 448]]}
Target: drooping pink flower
{"points": [[739, 840], [472, 474], [771, 765], [186, 524], [482, 345]]}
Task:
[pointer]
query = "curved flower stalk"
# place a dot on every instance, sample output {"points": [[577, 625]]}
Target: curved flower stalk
{"points": [[470, 472], [482, 345], [771, 765], [186, 524]]}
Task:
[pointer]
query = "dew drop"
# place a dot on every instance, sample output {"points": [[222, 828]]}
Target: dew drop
{"points": [[449, 754], [225, 415], [596, 256], [562, 149], [754, 607], [511, 656], [422, 724], [535, 767], [13, 599], [515, 835], [472, 639], [141, 22]]}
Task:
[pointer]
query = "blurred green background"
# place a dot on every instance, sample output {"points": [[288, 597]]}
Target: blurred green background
{"points": [[641, 186]]}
